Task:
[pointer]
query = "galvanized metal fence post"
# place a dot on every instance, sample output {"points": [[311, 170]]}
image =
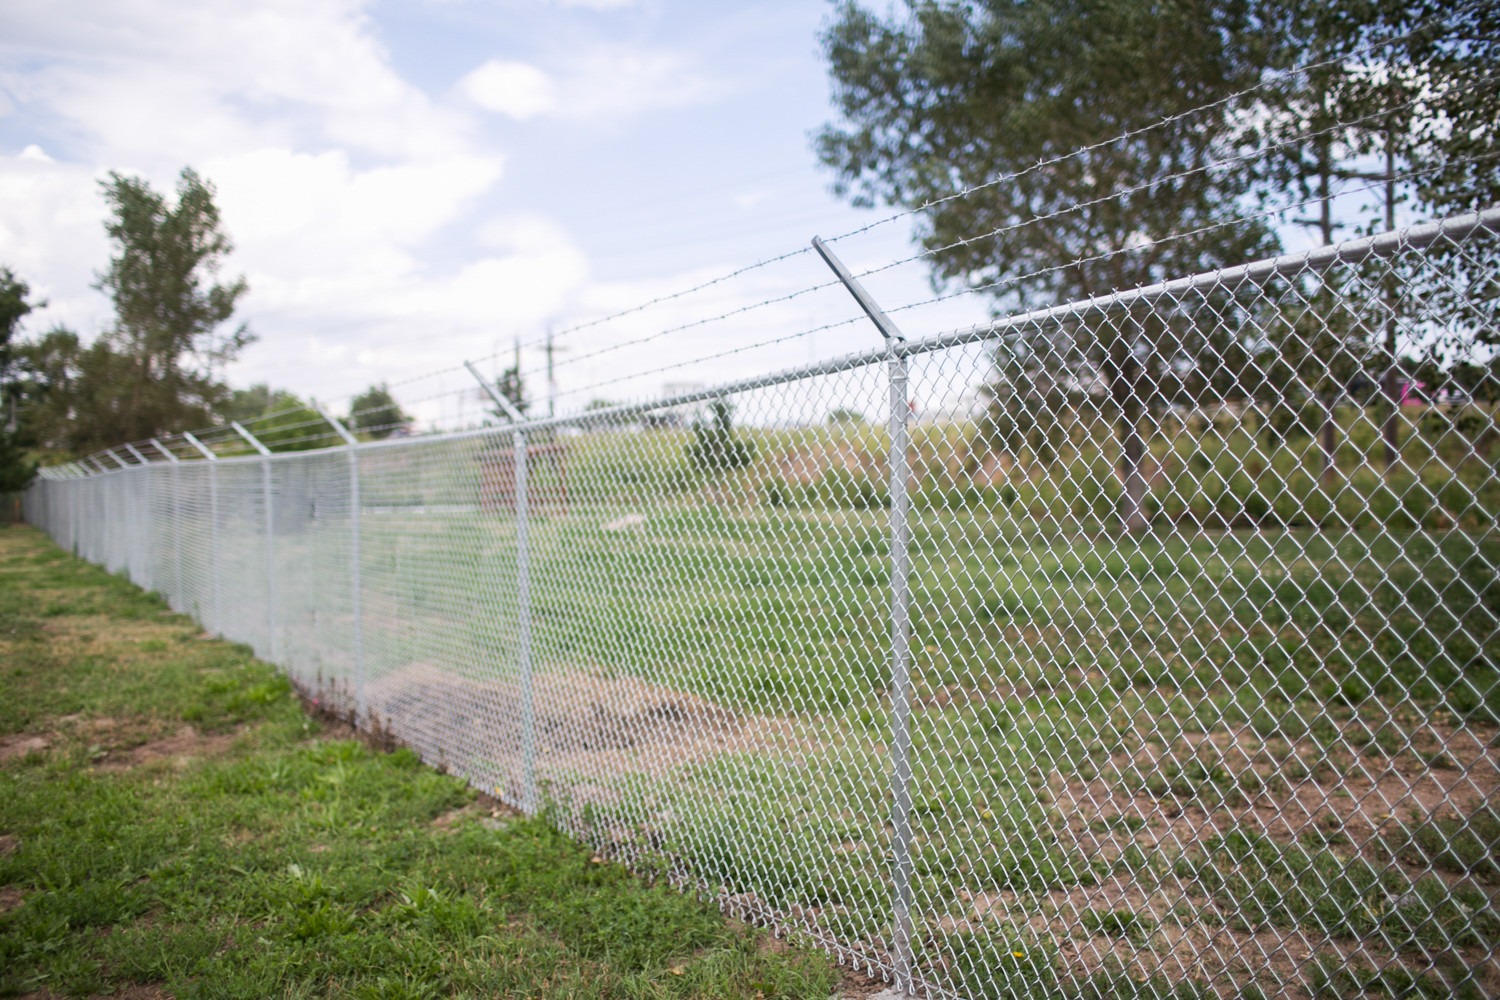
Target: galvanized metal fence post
{"points": [[523, 596], [213, 530], [356, 562], [270, 523], [141, 538], [900, 416], [176, 518]]}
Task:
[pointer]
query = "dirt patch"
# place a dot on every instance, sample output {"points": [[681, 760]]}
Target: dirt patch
{"points": [[1171, 801], [118, 634], [596, 724], [1184, 795], [858, 986], [591, 728], [180, 749], [9, 844], [11, 898], [484, 807], [22, 745], [134, 991]]}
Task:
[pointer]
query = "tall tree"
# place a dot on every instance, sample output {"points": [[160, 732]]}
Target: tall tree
{"points": [[1391, 102], [169, 305], [15, 470], [952, 94], [376, 413], [72, 398]]}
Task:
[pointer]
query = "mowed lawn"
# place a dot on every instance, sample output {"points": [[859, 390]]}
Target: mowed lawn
{"points": [[173, 824]]}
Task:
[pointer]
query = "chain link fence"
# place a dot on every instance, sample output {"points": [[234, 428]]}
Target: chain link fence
{"points": [[1166, 663]]}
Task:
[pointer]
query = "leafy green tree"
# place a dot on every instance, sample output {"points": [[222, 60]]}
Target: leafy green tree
{"points": [[280, 420], [376, 413], [15, 469], [71, 403], [944, 96], [247, 404], [167, 347], [1398, 102]]}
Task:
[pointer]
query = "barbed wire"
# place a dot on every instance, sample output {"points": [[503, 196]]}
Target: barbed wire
{"points": [[249, 422], [1013, 280], [699, 359], [928, 253], [1043, 164], [1117, 194]]}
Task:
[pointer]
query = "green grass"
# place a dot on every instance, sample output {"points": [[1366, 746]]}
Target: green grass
{"points": [[253, 855], [1044, 645], [1461, 845], [1274, 884], [1326, 629]]}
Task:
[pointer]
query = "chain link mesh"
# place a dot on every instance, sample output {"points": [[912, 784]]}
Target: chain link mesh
{"points": [[1202, 688]]}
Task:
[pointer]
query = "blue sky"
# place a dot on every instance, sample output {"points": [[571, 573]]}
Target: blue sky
{"points": [[414, 182]]}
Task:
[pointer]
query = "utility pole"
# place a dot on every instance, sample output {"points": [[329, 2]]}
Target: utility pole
{"points": [[551, 349]]}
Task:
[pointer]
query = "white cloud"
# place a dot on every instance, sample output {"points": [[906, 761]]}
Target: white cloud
{"points": [[363, 209], [599, 81], [335, 178], [619, 81], [510, 88], [50, 235], [146, 79], [316, 212]]}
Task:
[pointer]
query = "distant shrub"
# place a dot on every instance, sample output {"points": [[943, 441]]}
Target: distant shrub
{"points": [[855, 489], [715, 447]]}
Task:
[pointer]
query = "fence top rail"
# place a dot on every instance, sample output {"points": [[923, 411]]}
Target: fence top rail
{"points": [[1318, 259]]}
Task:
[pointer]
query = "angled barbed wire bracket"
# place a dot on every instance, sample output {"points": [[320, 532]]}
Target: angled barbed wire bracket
{"points": [[888, 329], [506, 406], [251, 438], [335, 423], [165, 451], [203, 449]]}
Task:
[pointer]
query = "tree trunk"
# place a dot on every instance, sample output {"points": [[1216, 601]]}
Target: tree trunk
{"points": [[1388, 383], [1390, 432], [1329, 435]]}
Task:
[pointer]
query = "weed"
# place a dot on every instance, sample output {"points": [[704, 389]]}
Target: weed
{"points": [[1464, 845], [1125, 924]]}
